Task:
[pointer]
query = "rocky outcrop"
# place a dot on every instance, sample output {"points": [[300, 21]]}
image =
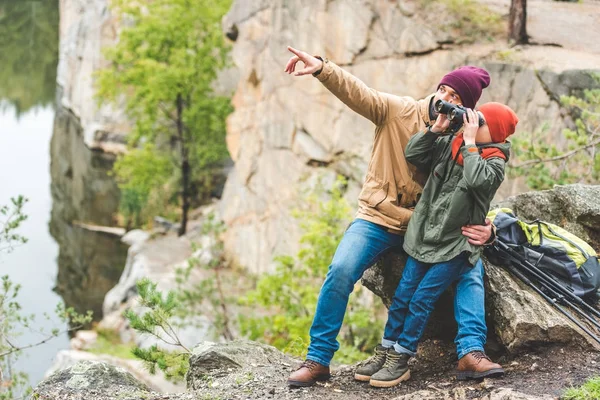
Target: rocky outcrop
{"points": [[518, 317], [286, 131], [91, 380], [244, 370], [86, 27], [156, 382]]}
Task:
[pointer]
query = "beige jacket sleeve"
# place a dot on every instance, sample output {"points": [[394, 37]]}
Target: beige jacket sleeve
{"points": [[376, 106]]}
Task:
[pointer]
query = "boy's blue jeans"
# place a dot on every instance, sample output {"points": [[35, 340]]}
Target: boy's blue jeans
{"points": [[421, 286], [363, 243]]}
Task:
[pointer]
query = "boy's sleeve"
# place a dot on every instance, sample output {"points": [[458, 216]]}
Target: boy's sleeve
{"points": [[376, 106], [482, 175], [420, 148]]}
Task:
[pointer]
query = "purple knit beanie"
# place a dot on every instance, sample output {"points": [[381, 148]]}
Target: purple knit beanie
{"points": [[468, 81]]}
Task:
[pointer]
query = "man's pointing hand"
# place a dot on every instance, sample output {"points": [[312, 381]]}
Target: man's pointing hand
{"points": [[311, 64]]}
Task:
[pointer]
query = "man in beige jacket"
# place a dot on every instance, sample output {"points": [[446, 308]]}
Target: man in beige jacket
{"points": [[390, 192]]}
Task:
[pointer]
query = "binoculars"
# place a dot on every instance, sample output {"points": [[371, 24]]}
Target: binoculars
{"points": [[454, 113]]}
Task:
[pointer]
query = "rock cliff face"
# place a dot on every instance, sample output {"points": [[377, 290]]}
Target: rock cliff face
{"points": [[286, 131], [84, 143], [86, 27]]}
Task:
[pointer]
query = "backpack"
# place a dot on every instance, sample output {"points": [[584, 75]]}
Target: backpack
{"points": [[567, 258]]}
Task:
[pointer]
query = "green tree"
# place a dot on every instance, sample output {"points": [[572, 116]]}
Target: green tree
{"points": [[28, 52], [167, 58], [548, 162]]}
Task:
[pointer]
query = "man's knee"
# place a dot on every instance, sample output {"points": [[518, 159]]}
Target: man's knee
{"points": [[343, 275]]}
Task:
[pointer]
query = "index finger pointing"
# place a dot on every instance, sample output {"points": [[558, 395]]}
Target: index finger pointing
{"points": [[296, 52]]}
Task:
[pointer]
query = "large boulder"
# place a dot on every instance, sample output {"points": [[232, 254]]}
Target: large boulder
{"points": [[517, 316], [218, 370], [90, 380]]}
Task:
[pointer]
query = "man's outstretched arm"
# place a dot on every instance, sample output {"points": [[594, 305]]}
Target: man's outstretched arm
{"points": [[371, 104]]}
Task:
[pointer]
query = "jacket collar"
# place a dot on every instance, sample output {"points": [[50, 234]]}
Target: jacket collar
{"points": [[423, 107]]}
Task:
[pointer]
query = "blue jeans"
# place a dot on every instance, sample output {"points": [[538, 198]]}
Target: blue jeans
{"points": [[360, 247], [363, 243], [421, 286]]}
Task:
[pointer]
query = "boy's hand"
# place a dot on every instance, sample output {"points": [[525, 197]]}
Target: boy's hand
{"points": [[471, 125], [441, 124], [311, 64], [478, 234]]}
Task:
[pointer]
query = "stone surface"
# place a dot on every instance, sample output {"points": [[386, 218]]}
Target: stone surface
{"points": [[91, 380], [218, 369], [86, 27], [156, 382]]}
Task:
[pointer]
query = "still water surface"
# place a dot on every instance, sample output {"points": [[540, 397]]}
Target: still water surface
{"points": [[25, 155]]}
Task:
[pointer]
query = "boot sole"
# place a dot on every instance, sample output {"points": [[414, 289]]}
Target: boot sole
{"points": [[492, 373], [310, 383], [362, 378], [386, 384]]}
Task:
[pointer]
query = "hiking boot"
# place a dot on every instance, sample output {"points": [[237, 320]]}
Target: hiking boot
{"points": [[477, 365], [308, 374], [371, 365], [394, 370]]}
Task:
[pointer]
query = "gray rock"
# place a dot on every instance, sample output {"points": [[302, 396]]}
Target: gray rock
{"points": [[574, 207], [91, 380], [225, 370]]}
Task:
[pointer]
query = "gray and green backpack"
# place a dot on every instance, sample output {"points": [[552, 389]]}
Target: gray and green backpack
{"points": [[569, 259]]}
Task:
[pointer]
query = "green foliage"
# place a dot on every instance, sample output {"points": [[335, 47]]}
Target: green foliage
{"points": [[164, 66], [588, 391], [289, 295], [174, 365], [143, 175], [12, 322], [109, 342], [574, 159], [157, 322], [28, 52], [12, 319], [470, 20], [12, 217]]}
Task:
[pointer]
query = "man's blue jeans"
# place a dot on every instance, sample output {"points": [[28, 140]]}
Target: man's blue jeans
{"points": [[419, 289], [363, 243]]}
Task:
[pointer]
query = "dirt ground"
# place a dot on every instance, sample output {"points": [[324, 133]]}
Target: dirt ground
{"points": [[542, 372]]}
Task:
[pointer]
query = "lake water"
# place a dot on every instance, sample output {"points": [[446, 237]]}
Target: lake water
{"points": [[25, 159]]}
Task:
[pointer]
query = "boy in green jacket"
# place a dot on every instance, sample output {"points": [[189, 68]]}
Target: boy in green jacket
{"points": [[464, 173]]}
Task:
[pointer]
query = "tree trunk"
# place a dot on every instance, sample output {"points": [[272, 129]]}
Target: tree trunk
{"points": [[185, 168], [517, 22]]}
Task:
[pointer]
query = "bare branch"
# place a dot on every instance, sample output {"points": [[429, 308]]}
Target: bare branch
{"points": [[557, 158]]}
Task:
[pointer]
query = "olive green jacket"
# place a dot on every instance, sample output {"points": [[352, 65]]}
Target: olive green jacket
{"points": [[453, 196]]}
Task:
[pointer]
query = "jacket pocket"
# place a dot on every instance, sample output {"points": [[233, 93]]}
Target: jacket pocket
{"points": [[374, 191], [408, 195]]}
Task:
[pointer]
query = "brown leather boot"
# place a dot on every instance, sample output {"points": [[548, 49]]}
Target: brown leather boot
{"points": [[477, 365], [308, 373]]}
